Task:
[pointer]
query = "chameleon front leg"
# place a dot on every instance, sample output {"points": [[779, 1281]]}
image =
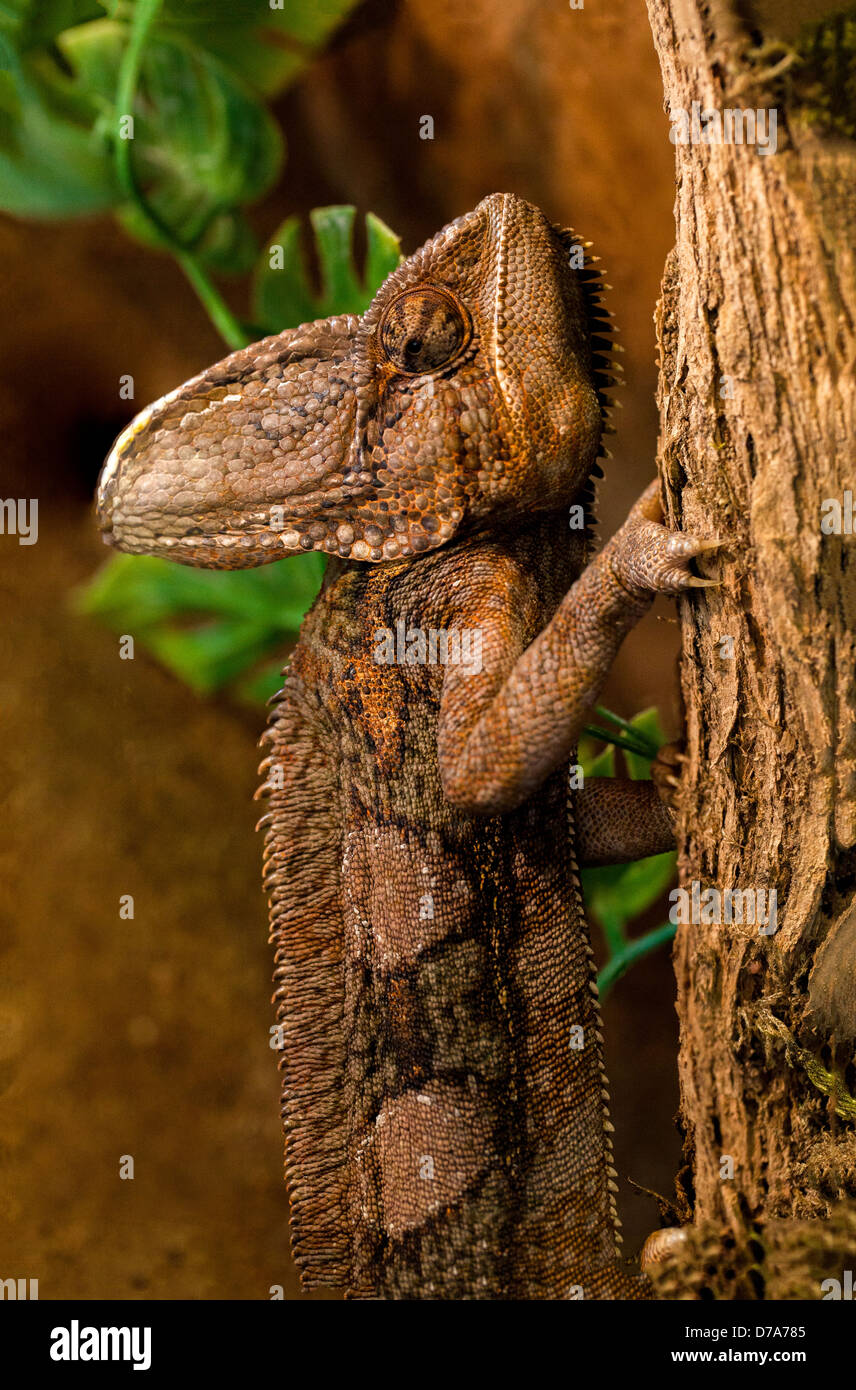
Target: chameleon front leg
{"points": [[503, 730]]}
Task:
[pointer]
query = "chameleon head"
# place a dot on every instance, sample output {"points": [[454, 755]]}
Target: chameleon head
{"points": [[465, 396]]}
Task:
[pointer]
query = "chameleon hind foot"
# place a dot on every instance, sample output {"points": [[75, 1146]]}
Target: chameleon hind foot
{"points": [[660, 1245], [666, 773]]}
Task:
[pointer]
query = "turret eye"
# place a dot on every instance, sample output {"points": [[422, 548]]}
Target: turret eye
{"points": [[423, 329]]}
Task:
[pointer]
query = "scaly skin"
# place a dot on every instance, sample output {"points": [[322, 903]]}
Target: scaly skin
{"points": [[444, 1100]]}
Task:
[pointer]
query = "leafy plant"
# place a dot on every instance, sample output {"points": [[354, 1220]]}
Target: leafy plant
{"points": [[157, 109], [617, 894], [283, 295], [213, 630]]}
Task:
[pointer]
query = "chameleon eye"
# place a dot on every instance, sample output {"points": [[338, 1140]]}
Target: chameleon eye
{"points": [[423, 329]]}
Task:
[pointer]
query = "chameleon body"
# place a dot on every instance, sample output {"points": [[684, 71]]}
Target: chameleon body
{"points": [[444, 1100]]}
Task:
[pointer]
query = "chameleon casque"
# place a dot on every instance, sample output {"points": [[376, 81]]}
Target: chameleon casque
{"points": [[445, 1137]]}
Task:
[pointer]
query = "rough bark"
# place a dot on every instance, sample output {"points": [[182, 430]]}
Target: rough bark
{"points": [[757, 412]]}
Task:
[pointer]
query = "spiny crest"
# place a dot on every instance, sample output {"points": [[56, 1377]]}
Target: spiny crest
{"points": [[606, 370]]}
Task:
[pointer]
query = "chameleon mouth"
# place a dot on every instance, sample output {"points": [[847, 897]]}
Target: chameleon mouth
{"points": [[345, 537]]}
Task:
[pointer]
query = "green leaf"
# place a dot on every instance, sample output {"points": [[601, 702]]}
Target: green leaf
{"points": [[283, 295], [209, 656], [648, 724], [617, 893], [630, 952], [37, 22], [244, 613], [267, 46], [202, 142], [147, 590], [259, 685], [13, 17], [53, 163], [208, 627], [383, 253], [228, 246], [595, 764]]}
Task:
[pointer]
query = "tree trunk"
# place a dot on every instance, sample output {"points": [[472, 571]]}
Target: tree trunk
{"points": [[757, 332]]}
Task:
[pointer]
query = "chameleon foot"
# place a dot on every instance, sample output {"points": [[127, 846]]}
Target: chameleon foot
{"points": [[666, 771], [647, 558]]}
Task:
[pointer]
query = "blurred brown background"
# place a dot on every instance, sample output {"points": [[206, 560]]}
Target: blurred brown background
{"points": [[150, 1037]]}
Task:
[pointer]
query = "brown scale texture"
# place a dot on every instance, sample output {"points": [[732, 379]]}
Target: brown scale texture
{"points": [[476, 1148], [301, 876]]}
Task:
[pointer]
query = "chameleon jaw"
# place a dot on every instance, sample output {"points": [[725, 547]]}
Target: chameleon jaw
{"points": [[245, 548]]}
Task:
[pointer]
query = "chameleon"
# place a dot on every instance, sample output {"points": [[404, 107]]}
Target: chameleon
{"points": [[444, 1099]]}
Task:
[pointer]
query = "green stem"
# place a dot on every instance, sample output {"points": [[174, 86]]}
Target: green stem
{"points": [[632, 951], [649, 745], [229, 328], [612, 926], [143, 18], [641, 750]]}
